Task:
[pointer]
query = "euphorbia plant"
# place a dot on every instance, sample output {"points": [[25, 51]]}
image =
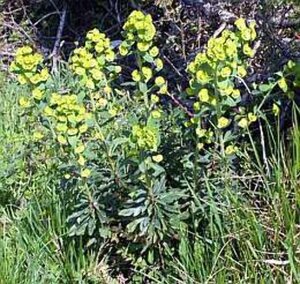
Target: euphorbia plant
{"points": [[215, 76]]}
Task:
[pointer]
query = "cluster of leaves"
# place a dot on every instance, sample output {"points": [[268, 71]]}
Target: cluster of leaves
{"points": [[124, 157]]}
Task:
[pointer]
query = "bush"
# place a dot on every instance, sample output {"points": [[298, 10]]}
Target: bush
{"points": [[143, 169]]}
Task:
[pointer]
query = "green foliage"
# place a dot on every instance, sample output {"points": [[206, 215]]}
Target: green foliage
{"points": [[155, 187]]}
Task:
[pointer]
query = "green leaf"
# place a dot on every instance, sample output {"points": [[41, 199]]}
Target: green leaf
{"points": [[73, 140], [132, 211], [132, 226], [265, 87], [143, 87], [148, 58]]}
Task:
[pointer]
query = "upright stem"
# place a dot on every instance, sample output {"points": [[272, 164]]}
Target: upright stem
{"points": [[145, 94]]}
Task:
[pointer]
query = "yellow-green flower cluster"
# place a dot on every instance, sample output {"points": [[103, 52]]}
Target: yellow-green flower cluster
{"points": [[70, 117], [139, 30], [71, 122], [145, 137], [245, 121], [213, 77], [27, 65], [246, 32], [139, 33], [93, 63]]}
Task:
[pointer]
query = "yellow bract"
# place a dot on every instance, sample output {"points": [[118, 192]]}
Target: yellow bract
{"points": [[147, 73], [243, 123], [159, 81], [81, 160], [37, 136], [37, 94], [203, 95], [157, 158], [223, 122], [252, 117], [27, 64], [230, 150], [275, 109], [79, 149], [136, 76], [85, 173], [24, 102]]}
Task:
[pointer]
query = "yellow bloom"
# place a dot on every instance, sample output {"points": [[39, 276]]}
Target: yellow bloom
{"points": [[200, 146], [79, 149], [236, 93], [154, 51], [200, 132], [248, 50], [159, 81], [37, 135], [81, 160], [83, 128], [227, 91], [107, 90], [22, 79], [156, 114], [136, 76], [147, 72], [44, 75], [62, 140], [282, 84], [203, 95], [252, 117], [48, 111], [123, 50], [240, 24], [223, 122], [241, 71], [230, 150], [85, 173], [276, 109], [163, 89], [143, 46], [110, 56], [225, 72], [243, 123], [252, 26], [113, 111], [67, 176], [246, 34], [62, 118], [202, 77], [37, 94], [213, 102], [90, 84], [118, 69], [197, 106], [72, 131], [24, 102], [102, 102], [35, 79], [96, 74], [61, 127], [154, 99], [159, 64], [157, 158], [24, 50]]}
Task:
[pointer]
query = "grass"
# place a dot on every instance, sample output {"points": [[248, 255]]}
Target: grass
{"points": [[251, 234], [254, 236]]}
